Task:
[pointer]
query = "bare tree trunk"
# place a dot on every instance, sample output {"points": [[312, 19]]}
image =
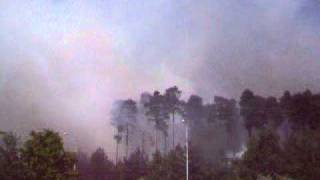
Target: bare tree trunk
{"points": [[142, 143], [117, 152], [173, 135], [156, 139], [127, 140], [165, 143]]}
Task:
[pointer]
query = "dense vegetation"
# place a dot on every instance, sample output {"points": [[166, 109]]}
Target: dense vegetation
{"points": [[281, 138], [42, 157]]}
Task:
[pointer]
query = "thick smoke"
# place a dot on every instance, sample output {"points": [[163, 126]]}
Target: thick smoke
{"points": [[64, 63], [267, 46]]}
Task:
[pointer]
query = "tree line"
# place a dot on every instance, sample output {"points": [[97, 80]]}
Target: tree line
{"points": [[280, 135], [150, 123], [255, 138], [41, 157]]}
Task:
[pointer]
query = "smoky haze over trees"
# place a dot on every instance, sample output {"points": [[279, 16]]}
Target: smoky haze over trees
{"points": [[64, 65], [255, 138], [65, 69], [215, 128], [124, 117]]}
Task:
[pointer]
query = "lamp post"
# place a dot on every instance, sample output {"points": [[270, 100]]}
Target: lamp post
{"points": [[187, 148]]}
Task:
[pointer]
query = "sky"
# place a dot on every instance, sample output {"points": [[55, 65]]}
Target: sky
{"points": [[63, 63]]}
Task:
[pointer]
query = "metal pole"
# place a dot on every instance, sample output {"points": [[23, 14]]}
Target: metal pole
{"points": [[187, 149], [187, 153], [186, 124]]}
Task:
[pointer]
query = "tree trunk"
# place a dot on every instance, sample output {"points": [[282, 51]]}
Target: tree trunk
{"points": [[117, 152], [173, 135], [127, 140], [165, 143], [142, 143], [156, 139]]}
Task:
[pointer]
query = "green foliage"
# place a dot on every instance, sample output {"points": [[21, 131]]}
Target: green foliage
{"points": [[298, 156], [42, 157], [11, 166], [303, 155], [264, 155], [45, 157]]}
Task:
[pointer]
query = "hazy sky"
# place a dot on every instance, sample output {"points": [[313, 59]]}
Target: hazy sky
{"points": [[63, 63]]}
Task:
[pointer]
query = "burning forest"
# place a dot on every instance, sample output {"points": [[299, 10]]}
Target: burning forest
{"points": [[160, 90]]}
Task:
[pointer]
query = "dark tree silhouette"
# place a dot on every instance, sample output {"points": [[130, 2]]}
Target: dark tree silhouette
{"points": [[172, 98], [302, 155], [124, 116], [83, 166], [253, 111], [11, 166], [215, 133], [303, 110], [227, 112], [118, 139], [129, 108], [193, 109], [273, 112], [136, 166], [101, 166], [264, 154], [156, 112]]}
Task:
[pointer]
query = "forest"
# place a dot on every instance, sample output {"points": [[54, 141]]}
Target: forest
{"points": [[253, 137]]}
